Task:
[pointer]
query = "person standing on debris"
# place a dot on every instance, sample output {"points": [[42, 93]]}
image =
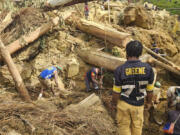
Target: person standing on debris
{"points": [[174, 116], [46, 76], [133, 80], [86, 10], [95, 77], [173, 95]]}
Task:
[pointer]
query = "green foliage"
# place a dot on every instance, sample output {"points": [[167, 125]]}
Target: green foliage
{"points": [[166, 4]]}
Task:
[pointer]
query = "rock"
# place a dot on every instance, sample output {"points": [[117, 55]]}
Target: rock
{"points": [[137, 15], [73, 68], [13, 132]]}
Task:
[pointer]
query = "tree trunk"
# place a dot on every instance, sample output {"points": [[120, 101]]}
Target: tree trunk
{"points": [[64, 3], [29, 38], [158, 56], [111, 63], [101, 31], [101, 59], [14, 72], [32, 36]]}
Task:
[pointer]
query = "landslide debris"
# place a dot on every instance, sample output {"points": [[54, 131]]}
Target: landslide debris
{"points": [[57, 115]]}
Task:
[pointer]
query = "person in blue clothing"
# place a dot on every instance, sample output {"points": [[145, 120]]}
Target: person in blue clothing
{"points": [[95, 77], [46, 76]]}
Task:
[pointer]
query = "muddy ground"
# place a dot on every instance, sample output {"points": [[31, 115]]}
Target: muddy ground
{"points": [[57, 115]]}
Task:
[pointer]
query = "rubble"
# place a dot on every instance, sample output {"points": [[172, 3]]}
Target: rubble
{"points": [[76, 44], [73, 68], [138, 16]]}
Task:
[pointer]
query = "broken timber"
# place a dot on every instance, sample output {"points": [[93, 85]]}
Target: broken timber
{"points": [[14, 72], [101, 31], [32, 36], [101, 59]]}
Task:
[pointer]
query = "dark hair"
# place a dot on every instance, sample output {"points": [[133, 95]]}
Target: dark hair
{"points": [[178, 106], [134, 49]]}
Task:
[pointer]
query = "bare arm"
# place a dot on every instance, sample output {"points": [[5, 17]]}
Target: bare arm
{"points": [[149, 97], [56, 79], [115, 97], [94, 80]]}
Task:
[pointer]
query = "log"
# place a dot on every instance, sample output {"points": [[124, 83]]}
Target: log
{"points": [[148, 58], [63, 3], [8, 20], [158, 56], [109, 62], [32, 36], [101, 31], [14, 72], [101, 59], [165, 66]]}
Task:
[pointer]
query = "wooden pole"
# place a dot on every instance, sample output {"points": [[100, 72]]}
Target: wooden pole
{"points": [[14, 72]]}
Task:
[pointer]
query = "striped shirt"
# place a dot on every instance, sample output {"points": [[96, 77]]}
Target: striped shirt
{"points": [[132, 80]]}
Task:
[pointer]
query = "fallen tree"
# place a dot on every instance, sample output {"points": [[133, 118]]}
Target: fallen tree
{"points": [[101, 59], [111, 63], [63, 3], [101, 31], [14, 72], [159, 57], [32, 36]]}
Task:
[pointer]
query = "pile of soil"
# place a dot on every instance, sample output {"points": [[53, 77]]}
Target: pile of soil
{"points": [[56, 115]]}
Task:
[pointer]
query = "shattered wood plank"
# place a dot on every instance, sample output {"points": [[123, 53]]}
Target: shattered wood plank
{"points": [[14, 72], [100, 30]]}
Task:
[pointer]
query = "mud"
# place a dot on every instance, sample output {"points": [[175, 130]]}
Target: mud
{"points": [[55, 115]]}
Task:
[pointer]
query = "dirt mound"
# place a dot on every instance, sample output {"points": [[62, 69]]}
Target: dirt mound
{"points": [[79, 119], [138, 16]]}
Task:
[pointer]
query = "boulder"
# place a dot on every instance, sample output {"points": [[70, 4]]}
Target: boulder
{"points": [[137, 15], [73, 68]]}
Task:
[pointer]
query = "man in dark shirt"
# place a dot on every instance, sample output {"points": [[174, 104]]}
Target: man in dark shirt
{"points": [[133, 81], [172, 116], [95, 77]]}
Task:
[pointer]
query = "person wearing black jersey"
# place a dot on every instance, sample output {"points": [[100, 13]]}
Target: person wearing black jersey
{"points": [[133, 81]]}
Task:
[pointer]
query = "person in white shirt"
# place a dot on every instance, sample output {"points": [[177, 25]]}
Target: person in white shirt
{"points": [[173, 95]]}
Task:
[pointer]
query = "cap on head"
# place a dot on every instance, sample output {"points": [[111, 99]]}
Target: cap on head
{"points": [[58, 67], [134, 49], [157, 84]]}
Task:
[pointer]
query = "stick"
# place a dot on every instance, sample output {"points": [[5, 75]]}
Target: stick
{"points": [[26, 122]]}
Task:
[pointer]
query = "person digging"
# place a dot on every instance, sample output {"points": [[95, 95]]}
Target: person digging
{"points": [[94, 76], [46, 77]]}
